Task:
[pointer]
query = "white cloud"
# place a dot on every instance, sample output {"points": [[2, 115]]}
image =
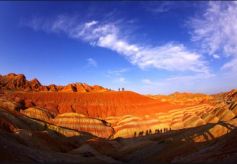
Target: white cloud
{"points": [[199, 82], [89, 24], [122, 80], [189, 78], [147, 81], [117, 72], [160, 7], [216, 56], [171, 56], [216, 30], [181, 79], [117, 75], [91, 62], [232, 65]]}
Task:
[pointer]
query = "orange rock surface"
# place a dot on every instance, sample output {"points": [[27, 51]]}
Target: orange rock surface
{"points": [[18, 82], [79, 122], [99, 105]]}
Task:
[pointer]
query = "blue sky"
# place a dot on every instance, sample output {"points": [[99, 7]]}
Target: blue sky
{"points": [[147, 47]]}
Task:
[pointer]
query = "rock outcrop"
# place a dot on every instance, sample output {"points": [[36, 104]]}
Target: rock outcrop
{"points": [[38, 113], [96, 105], [18, 82], [184, 98], [9, 105], [182, 118], [82, 87], [79, 122]]}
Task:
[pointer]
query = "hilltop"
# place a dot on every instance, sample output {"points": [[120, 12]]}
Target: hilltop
{"points": [[18, 82]]}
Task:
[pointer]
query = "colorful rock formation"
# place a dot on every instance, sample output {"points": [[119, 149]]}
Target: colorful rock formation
{"points": [[79, 122], [184, 98], [52, 124], [94, 104], [38, 113], [18, 82]]}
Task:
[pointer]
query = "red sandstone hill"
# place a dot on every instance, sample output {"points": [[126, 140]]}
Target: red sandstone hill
{"points": [[99, 105], [18, 82], [32, 135], [81, 98]]}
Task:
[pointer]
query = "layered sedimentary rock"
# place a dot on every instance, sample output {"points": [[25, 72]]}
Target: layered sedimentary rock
{"points": [[82, 87], [14, 120], [189, 117], [18, 82], [97, 105], [230, 96], [126, 114], [133, 126], [127, 127], [184, 98], [9, 105], [38, 113], [26, 140], [79, 122]]}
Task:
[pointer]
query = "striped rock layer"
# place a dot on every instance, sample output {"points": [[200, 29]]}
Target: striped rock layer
{"points": [[96, 105], [133, 126], [79, 122], [18, 82], [128, 126], [37, 113]]}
